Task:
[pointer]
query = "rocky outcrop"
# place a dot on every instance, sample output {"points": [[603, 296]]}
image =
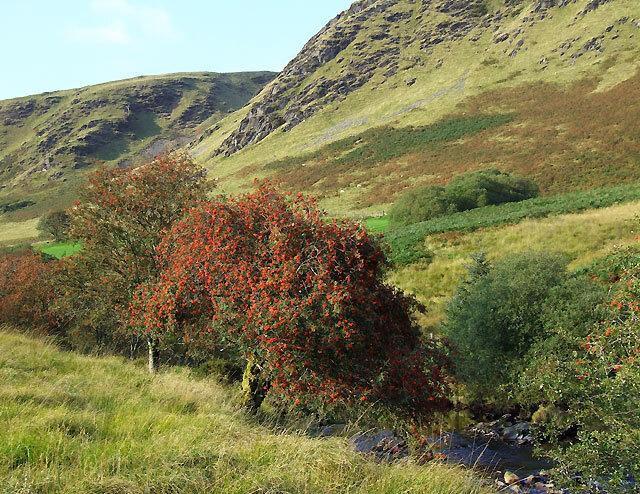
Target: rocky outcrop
{"points": [[274, 109], [365, 41], [374, 41]]}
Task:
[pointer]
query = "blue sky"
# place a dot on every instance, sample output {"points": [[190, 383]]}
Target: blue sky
{"points": [[61, 44]]}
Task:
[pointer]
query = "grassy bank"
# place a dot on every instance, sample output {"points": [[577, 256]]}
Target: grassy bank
{"points": [[583, 236], [407, 242], [70, 423], [59, 249]]}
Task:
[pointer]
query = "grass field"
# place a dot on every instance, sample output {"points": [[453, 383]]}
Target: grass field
{"points": [[78, 424], [59, 249], [379, 225], [19, 231], [584, 237]]}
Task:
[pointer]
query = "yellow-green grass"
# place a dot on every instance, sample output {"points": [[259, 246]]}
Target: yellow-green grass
{"points": [[71, 423], [17, 232], [584, 237]]}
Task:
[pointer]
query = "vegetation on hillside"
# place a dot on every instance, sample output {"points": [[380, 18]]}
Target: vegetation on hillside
{"points": [[78, 424], [552, 66], [48, 141], [390, 96], [470, 191], [407, 243], [56, 224]]}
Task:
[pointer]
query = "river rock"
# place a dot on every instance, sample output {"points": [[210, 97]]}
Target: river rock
{"points": [[516, 432], [511, 478], [383, 444]]}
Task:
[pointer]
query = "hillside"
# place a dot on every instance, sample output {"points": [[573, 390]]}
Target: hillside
{"points": [[584, 237], [78, 424], [397, 93], [48, 140]]}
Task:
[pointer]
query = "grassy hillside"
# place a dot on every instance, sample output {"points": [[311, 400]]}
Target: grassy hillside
{"points": [[583, 236], [549, 93], [80, 424], [48, 140]]}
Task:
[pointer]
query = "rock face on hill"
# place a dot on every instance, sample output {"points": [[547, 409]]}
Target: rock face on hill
{"points": [[372, 41], [43, 138]]}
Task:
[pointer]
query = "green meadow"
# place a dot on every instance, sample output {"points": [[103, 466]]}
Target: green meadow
{"points": [[72, 423]]}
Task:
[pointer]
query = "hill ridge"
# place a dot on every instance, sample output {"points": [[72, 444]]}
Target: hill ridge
{"points": [[44, 137], [302, 88]]}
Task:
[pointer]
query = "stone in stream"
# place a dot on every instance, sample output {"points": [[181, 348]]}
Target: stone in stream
{"points": [[511, 478], [383, 444], [515, 432]]}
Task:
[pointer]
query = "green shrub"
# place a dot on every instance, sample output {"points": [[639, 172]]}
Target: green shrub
{"points": [[420, 204], [470, 191], [56, 224], [496, 315], [571, 309], [489, 187]]}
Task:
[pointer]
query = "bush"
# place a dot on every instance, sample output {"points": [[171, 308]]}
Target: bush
{"points": [[421, 204], [487, 188], [571, 309], [496, 315], [470, 191], [301, 300], [26, 291]]}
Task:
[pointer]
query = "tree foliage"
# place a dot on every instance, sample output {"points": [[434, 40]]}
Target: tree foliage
{"points": [[121, 218], [495, 316], [265, 277], [27, 290], [470, 191], [56, 224]]}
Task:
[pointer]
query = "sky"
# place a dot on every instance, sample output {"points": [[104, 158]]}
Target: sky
{"points": [[47, 45]]}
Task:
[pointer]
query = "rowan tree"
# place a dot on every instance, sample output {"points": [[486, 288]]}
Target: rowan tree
{"points": [[120, 220], [301, 299], [605, 394], [27, 289]]}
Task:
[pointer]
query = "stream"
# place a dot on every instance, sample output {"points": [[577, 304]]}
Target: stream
{"points": [[489, 454]]}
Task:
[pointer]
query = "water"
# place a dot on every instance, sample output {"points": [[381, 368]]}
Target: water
{"points": [[488, 454]]}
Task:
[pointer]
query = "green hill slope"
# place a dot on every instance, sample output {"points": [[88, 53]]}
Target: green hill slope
{"points": [[47, 140], [397, 93], [584, 237], [78, 424]]}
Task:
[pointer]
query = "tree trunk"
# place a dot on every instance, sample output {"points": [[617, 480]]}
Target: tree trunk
{"points": [[253, 392], [152, 356]]}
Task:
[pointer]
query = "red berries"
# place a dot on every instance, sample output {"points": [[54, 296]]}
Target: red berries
{"points": [[271, 279]]}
